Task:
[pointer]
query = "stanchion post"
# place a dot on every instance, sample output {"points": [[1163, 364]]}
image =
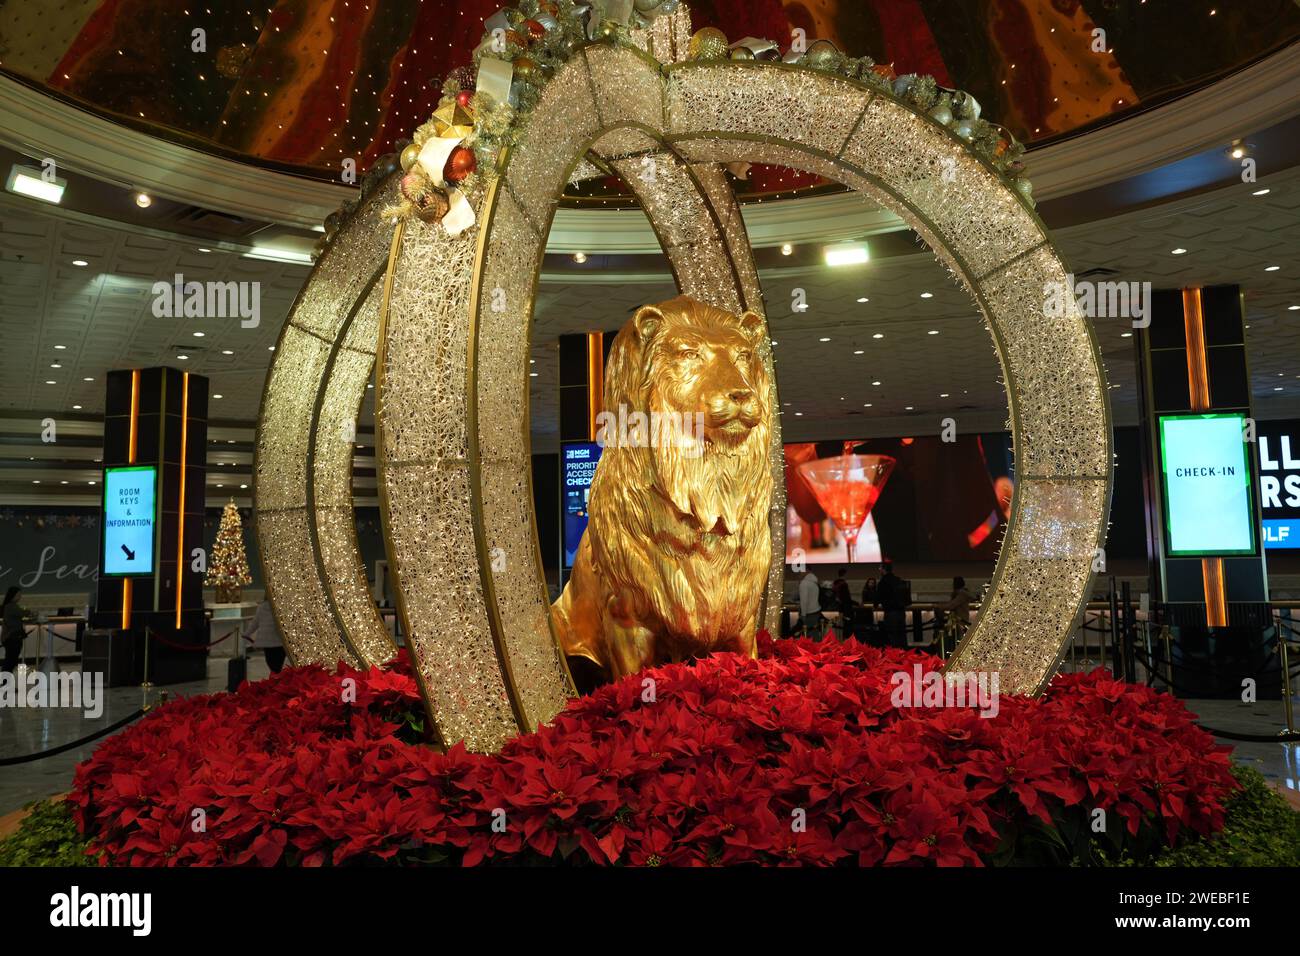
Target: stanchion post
{"points": [[1169, 657], [145, 685], [1286, 685]]}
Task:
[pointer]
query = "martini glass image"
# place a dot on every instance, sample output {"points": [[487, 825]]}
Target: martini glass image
{"points": [[847, 488]]}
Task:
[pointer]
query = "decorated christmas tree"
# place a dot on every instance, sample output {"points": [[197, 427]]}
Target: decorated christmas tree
{"points": [[228, 571]]}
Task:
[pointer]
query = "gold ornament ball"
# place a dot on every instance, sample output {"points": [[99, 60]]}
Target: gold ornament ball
{"points": [[409, 155], [708, 44], [742, 53], [607, 30], [822, 55], [526, 69]]}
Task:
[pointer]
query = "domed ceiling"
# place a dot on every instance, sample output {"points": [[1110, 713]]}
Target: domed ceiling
{"points": [[300, 85]]}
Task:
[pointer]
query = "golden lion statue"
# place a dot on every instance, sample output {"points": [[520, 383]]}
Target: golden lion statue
{"points": [[675, 557]]}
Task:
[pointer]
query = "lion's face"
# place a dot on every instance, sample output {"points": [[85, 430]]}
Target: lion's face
{"points": [[710, 373], [698, 369]]}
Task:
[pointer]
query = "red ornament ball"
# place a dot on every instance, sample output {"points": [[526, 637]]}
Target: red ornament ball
{"points": [[535, 30], [460, 164], [463, 98]]}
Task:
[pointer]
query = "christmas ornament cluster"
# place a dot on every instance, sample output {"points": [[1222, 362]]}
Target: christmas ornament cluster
{"points": [[445, 166]]}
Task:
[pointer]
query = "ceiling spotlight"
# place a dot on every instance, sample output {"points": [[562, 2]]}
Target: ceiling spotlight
{"points": [[218, 395], [580, 257], [60, 347], [143, 200], [864, 299], [198, 335], [1177, 252], [183, 358], [1238, 149], [907, 408], [243, 486], [933, 332], [55, 365], [846, 254], [1262, 192], [927, 295], [878, 335], [201, 249], [227, 352], [1126, 335], [89, 378], [1293, 308], [943, 394], [76, 408], [39, 184], [875, 383], [80, 262], [858, 352], [824, 338], [1271, 268], [270, 348], [787, 249]]}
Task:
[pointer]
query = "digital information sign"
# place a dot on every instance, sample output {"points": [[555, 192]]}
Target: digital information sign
{"points": [[1279, 483], [129, 518], [1207, 481], [577, 469]]}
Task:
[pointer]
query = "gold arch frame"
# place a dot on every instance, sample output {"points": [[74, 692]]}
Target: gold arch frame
{"points": [[455, 322]]}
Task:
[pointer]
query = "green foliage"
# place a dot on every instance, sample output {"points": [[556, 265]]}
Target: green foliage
{"points": [[1261, 829], [48, 836]]}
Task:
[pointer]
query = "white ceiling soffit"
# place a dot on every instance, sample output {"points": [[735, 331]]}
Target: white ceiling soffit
{"points": [[39, 125]]}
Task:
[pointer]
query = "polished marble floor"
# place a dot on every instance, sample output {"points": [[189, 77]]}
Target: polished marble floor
{"points": [[27, 731]]}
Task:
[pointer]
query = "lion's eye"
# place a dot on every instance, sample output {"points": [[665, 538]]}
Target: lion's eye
{"points": [[744, 356], [689, 353]]}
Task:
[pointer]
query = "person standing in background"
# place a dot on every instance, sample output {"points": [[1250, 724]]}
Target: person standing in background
{"points": [[810, 604], [266, 636], [843, 601], [12, 632], [891, 596]]}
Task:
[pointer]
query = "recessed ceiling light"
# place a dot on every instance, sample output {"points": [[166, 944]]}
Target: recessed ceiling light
{"points": [[219, 485], [50, 381], [1126, 335], [76, 408], [1261, 192], [864, 299], [80, 262], [60, 347], [858, 352], [218, 395], [579, 257], [787, 249], [143, 200], [270, 348], [532, 375], [29, 181], [1277, 388], [798, 414], [369, 386], [90, 482], [846, 254], [183, 358], [878, 335], [1177, 252], [866, 404], [1293, 308], [927, 295], [243, 486], [824, 338], [36, 481], [227, 352], [63, 482], [933, 332], [198, 335], [201, 249], [875, 383], [907, 408], [55, 365], [1271, 268], [943, 394], [89, 378]]}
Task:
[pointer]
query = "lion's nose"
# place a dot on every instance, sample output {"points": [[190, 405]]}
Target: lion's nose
{"points": [[740, 395]]}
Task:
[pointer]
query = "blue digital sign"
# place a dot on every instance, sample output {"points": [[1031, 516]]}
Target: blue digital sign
{"points": [[129, 519], [577, 469]]}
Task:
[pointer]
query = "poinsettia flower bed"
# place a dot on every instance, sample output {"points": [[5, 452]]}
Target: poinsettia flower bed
{"points": [[797, 758]]}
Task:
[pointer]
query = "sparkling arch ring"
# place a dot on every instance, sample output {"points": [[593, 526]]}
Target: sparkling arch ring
{"points": [[455, 322]]}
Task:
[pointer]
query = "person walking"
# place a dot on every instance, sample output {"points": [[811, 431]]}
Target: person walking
{"points": [[266, 636], [956, 611], [12, 632]]}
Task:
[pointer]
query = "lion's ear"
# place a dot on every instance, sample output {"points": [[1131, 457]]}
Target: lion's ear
{"points": [[751, 323], [646, 323]]}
